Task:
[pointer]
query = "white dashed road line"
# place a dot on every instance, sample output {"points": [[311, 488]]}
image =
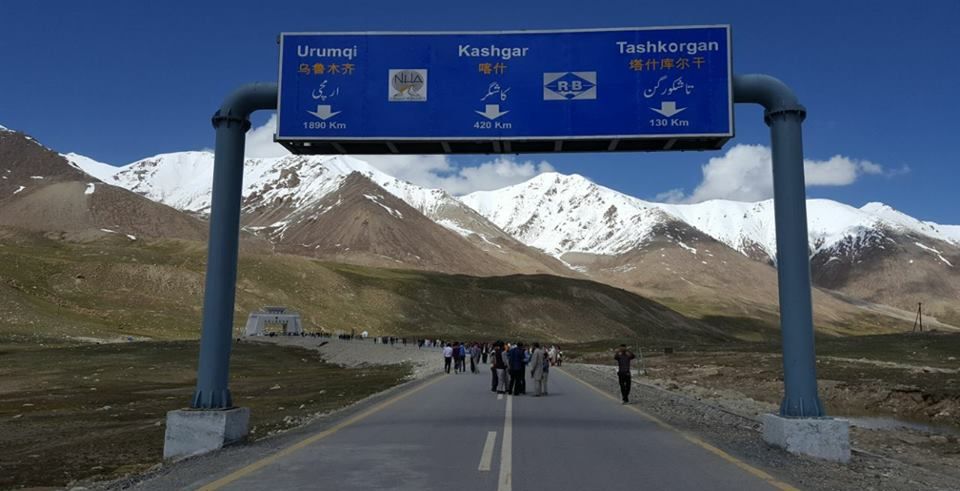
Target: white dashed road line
{"points": [[506, 450], [487, 456]]}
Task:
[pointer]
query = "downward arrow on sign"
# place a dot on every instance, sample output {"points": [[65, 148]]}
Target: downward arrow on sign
{"points": [[323, 112], [492, 112], [668, 108]]}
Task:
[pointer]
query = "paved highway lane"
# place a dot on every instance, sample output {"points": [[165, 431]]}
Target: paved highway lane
{"points": [[453, 433]]}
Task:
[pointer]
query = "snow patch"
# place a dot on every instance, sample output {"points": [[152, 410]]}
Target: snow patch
{"points": [[376, 199], [691, 250], [131, 237], [91, 187], [455, 227], [938, 253], [36, 177], [21, 188]]}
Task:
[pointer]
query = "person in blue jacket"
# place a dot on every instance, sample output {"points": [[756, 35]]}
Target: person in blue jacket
{"points": [[517, 357]]}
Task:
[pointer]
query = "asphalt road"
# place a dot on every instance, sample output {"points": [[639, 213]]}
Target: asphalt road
{"points": [[453, 433]]}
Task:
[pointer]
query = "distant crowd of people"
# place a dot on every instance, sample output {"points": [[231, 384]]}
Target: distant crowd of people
{"points": [[508, 364]]}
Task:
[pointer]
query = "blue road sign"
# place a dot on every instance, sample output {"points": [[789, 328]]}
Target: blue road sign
{"points": [[526, 91]]}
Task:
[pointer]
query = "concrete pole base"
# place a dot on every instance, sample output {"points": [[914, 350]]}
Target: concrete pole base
{"points": [[193, 432], [822, 438]]}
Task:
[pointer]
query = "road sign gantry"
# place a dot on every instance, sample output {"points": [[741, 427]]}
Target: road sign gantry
{"points": [[515, 91], [426, 102]]}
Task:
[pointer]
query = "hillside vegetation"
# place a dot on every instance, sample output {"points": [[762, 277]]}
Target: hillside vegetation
{"points": [[53, 291]]}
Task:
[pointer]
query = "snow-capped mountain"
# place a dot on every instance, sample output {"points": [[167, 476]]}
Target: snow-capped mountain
{"points": [[283, 194], [872, 253], [568, 213], [184, 180], [701, 252], [552, 212]]}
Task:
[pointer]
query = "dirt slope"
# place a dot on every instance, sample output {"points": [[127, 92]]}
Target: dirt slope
{"points": [[705, 278], [361, 223], [41, 191], [898, 270]]}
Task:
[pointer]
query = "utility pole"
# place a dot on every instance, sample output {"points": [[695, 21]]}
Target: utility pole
{"points": [[918, 322]]}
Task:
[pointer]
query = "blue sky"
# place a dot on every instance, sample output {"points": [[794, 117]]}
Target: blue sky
{"points": [[119, 81]]}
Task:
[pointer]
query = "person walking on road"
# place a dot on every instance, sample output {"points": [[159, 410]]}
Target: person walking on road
{"points": [[523, 370], [537, 360], [546, 371], [623, 357], [457, 359], [517, 377], [494, 355], [500, 367], [474, 358], [447, 357]]}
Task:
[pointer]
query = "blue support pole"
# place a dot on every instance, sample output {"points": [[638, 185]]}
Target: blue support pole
{"points": [[784, 115], [231, 123]]}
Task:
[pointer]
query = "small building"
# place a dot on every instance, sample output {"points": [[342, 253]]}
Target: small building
{"points": [[288, 319]]}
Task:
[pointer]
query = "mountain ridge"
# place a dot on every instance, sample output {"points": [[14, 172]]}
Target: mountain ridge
{"points": [[569, 225]]}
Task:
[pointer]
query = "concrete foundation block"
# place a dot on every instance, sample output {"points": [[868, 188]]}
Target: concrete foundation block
{"points": [[197, 431], [822, 438]]}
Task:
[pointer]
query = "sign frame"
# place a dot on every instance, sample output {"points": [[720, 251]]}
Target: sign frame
{"points": [[507, 144]]}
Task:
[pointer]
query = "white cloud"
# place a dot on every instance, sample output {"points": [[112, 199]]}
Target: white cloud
{"points": [[674, 195], [260, 142], [437, 171], [745, 173], [433, 171], [504, 171]]}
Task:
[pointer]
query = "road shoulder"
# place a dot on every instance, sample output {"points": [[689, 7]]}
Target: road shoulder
{"points": [[197, 471], [740, 437]]}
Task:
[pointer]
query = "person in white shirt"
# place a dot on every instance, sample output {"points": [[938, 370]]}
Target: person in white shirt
{"points": [[447, 357]]}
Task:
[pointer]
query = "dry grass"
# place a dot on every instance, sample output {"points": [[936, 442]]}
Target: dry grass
{"points": [[97, 411]]}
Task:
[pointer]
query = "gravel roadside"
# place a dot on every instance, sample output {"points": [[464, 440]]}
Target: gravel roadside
{"points": [[354, 353], [739, 434]]}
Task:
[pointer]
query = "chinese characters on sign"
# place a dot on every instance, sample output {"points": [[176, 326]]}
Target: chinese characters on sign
{"points": [[330, 69], [651, 64]]}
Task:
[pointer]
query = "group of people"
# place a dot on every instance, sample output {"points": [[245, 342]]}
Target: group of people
{"points": [[457, 354], [508, 364]]}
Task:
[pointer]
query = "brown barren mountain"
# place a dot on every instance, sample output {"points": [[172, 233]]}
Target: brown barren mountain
{"points": [[900, 270], [705, 278], [361, 223], [41, 191]]}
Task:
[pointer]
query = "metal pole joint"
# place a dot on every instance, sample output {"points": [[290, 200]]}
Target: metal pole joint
{"points": [[798, 111], [220, 118]]}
